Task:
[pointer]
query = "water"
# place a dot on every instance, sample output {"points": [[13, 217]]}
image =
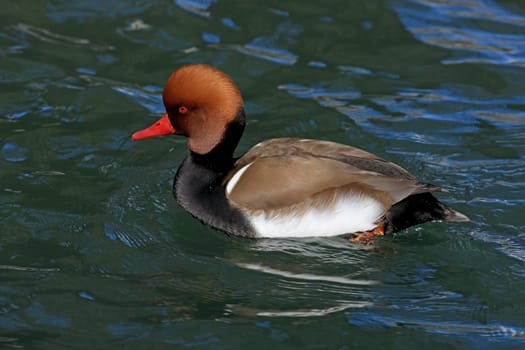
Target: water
{"points": [[95, 253]]}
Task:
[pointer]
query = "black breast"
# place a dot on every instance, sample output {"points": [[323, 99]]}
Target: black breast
{"points": [[199, 190]]}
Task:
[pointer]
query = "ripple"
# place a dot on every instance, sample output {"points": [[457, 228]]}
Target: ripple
{"points": [[266, 50], [152, 101], [44, 223], [67, 147], [97, 233], [274, 48], [196, 7], [136, 196], [511, 246], [48, 36], [17, 115], [137, 24], [307, 276], [28, 268], [317, 64], [211, 38], [446, 113], [328, 97], [489, 35], [64, 10], [230, 23], [129, 236], [141, 33], [491, 331], [40, 316], [21, 70], [13, 153], [298, 312]]}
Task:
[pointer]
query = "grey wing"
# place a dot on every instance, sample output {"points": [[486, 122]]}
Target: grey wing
{"points": [[325, 149]]}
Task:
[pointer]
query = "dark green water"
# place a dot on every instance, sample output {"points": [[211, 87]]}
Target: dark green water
{"points": [[95, 253]]}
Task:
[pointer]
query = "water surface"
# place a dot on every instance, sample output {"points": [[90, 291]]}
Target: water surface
{"points": [[95, 253]]}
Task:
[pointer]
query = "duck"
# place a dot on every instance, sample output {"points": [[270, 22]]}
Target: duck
{"points": [[282, 187]]}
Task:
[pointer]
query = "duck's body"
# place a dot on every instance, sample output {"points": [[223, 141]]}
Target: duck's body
{"points": [[281, 187]]}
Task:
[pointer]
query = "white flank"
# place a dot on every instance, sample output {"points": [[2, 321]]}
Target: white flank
{"points": [[235, 178], [352, 212]]}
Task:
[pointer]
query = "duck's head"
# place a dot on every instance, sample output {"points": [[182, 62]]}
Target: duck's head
{"points": [[201, 103]]}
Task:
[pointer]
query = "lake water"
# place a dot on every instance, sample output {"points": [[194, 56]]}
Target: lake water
{"points": [[95, 253]]}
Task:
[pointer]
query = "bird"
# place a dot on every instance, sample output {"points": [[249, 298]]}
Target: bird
{"points": [[282, 187]]}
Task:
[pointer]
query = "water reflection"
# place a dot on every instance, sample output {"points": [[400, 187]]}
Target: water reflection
{"points": [[491, 33], [48, 36], [11, 152], [93, 243], [200, 8], [265, 49], [498, 332], [306, 276]]}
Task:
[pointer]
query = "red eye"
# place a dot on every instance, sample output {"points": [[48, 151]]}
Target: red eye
{"points": [[183, 109]]}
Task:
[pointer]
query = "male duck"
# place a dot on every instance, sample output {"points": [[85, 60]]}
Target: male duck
{"points": [[283, 187]]}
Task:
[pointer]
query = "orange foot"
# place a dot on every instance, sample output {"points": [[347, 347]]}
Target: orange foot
{"points": [[368, 237]]}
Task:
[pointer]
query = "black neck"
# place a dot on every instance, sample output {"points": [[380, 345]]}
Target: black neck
{"points": [[199, 188]]}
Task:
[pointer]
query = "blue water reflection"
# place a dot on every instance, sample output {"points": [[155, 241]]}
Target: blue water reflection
{"points": [[93, 243], [482, 31]]}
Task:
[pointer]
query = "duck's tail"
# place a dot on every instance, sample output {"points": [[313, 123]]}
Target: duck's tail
{"points": [[417, 209], [452, 215]]}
